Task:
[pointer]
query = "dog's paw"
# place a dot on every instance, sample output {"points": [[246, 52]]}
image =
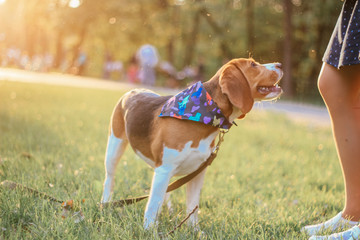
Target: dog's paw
{"points": [[201, 235], [150, 225]]}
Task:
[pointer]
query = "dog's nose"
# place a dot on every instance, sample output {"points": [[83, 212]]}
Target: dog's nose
{"points": [[278, 65]]}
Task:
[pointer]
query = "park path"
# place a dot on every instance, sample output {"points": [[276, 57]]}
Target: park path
{"points": [[304, 113]]}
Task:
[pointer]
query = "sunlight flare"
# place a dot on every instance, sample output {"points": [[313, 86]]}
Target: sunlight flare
{"points": [[73, 3]]}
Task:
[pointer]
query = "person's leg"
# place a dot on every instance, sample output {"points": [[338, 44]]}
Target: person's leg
{"points": [[340, 90]]}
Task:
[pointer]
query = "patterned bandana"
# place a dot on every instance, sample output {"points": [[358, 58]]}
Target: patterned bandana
{"points": [[195, 104]]}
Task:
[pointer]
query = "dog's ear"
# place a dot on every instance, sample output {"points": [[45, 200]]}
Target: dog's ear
{"points": [[235, 86]]}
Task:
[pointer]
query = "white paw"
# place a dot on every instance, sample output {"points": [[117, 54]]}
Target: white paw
{"points": [[201, 234], [150, 224]]}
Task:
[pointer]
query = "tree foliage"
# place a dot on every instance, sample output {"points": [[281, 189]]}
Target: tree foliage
{"points": [[184, 31]]}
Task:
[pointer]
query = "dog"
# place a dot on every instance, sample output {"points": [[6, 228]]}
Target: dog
{"points": [[171, 136]]}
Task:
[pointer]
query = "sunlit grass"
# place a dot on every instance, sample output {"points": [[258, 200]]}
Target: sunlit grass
{"points": [[271, 176]]}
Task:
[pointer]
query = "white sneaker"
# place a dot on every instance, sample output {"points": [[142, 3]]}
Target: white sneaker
{"points": [[350, 234], [337, 222]]}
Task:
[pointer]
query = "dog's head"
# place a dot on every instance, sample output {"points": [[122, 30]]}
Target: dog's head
{"points": [[244, 81]]}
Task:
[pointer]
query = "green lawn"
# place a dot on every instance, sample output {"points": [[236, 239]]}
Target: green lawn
{"points": [[271, 177]]}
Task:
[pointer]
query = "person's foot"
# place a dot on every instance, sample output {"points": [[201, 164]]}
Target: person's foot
{"points": [[350, 234], [335, 223]]}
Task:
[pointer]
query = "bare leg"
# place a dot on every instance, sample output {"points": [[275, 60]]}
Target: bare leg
{"points": [[340, 90]]}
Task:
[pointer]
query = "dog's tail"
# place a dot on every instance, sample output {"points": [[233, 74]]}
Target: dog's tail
{"points": [[117, 121]]}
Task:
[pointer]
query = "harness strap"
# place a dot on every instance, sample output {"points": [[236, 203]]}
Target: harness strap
{"points": [[176, 184]]}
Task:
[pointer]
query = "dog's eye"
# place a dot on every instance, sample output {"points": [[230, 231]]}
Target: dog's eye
{"points": [[253, 64]]}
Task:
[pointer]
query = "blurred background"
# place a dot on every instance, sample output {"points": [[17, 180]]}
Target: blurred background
{"points": [[185, 40]]}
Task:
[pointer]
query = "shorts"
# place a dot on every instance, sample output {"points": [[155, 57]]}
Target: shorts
{"points": [[344, 45]]}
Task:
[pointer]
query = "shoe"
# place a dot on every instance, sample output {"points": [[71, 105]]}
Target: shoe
{"points": [[333, 224], [350, 234]]}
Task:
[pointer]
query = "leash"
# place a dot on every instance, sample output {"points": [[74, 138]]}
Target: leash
{"points": [[70, 205], [67, 206], [176, 184], [13, 185]]}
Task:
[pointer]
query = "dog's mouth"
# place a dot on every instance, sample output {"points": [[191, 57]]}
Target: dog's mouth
{"points": [[265, 90]]}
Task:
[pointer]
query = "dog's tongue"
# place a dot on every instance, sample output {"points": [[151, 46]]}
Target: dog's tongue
{"points": [[275, 88]]}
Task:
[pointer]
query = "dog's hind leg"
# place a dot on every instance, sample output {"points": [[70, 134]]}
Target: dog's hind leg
{"points": [[116, 145]]}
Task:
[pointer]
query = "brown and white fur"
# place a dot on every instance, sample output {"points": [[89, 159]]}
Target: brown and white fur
{"points": [[178, 147]]}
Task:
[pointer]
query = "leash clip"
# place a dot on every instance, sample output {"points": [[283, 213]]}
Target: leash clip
{"points": [[215, 151], [220, 140]]}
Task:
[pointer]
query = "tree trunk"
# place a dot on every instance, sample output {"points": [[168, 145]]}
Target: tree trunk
{"points": [[170, 50], [320, 29], [59, 48], [171, 43], [76, 48], [250, 26], [192, 38], [219, 31], [288, 85]]}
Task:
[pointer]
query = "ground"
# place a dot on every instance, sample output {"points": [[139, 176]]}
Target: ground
{"points": [[272, 176]]}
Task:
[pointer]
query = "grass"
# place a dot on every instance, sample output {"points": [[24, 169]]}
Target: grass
{"points": [[271, 177]]}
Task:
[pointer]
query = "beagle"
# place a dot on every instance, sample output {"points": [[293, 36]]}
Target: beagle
{"points": [[154, 126]]}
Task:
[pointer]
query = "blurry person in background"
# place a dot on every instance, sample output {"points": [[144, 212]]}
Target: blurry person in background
{"points": [[200, 71], [107, 65], [133, 71], [148, 58], [81, 63]]}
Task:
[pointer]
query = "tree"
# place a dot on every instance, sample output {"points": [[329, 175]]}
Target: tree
{"points": [[287, 65], [182, 30], [250, 25]]}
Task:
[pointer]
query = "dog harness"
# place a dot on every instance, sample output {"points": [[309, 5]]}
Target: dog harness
{"points": [[195, 104]]}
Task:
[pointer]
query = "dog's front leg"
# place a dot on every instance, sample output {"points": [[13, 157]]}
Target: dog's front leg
{"points": [[168, 202], [193, 189], [159, 185]]}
